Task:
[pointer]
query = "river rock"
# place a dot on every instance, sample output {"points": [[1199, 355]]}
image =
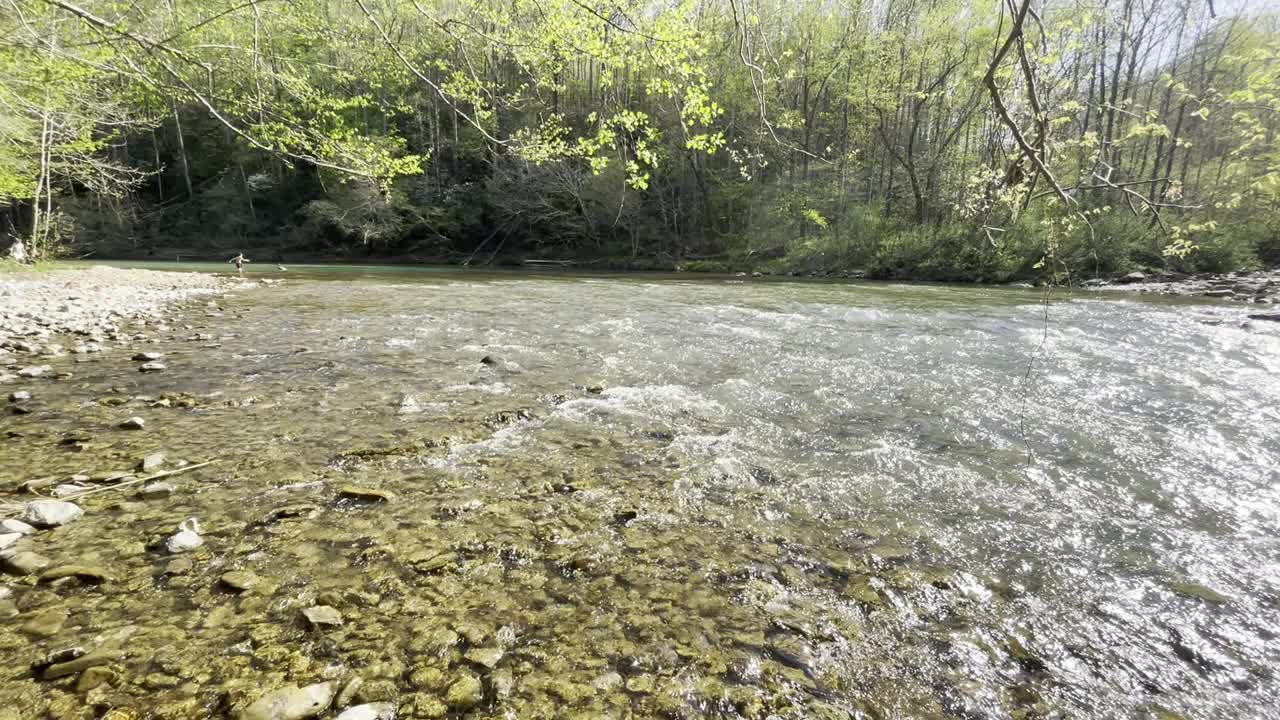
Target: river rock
{"points": [[1273, 317], [25, 562], [466, 692], [371, 711], [156, 490], [46, 623], [792, 652], [348, 692], [67, 490], [151, 463], [368, 494], [34, 371], [187, 537], [13, 525], [95, 677], [8, 540], [150, 367], [240, 580], [147, 356], [19, 396], [133, 423], [321, 616], [80, 664], [1134, 277], [50, 513], [55, 657], [85, 573], [485, 657], [290, 703]]}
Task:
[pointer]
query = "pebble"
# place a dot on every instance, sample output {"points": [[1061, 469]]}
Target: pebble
{"points": [[152, 367], [187, 537], [371, 711], [13, 525], [19, 396], [133, 423], [147, 356], [320, 616], [290, 703], [50, 513]]}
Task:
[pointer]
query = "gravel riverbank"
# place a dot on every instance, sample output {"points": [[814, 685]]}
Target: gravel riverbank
{"points": [[50, 314]]}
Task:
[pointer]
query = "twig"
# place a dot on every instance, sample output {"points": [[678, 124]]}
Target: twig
{"points": [[135, 481]]}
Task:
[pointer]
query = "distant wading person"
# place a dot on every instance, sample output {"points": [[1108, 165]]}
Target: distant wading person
{"points": [[239, 260]]}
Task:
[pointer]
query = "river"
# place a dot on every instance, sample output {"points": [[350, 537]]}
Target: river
{"points": [[674, 497]]}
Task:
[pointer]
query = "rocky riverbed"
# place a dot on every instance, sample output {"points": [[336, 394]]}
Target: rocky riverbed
{"points": [[1259, 287], [460, 496]]}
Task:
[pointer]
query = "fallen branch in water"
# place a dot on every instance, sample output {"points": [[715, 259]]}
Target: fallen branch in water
{"points": [[135, 481]]}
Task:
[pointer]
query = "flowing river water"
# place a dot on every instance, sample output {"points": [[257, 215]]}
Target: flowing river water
{"points": [[673, 498]]}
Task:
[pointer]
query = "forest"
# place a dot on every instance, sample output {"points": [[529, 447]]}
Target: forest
{"points": [[969, 140]]}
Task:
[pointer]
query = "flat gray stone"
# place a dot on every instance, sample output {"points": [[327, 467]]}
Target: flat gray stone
{"points": [[50, 513]]}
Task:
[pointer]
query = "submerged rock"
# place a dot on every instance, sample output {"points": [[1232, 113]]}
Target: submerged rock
{"points": [[156, 490], [9, 539], [95, 677], [240, 580], [50, 513], [464, 693], [19, 396], [484, 657], [46, 623], [151, 463], [84, 573], [133, 423], [55, 657], [147, 356], [321, 616], [290, 703], [368, 494], [25, 562], [34, 371], [371, 711], [80, 664], [1198, 591]]}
